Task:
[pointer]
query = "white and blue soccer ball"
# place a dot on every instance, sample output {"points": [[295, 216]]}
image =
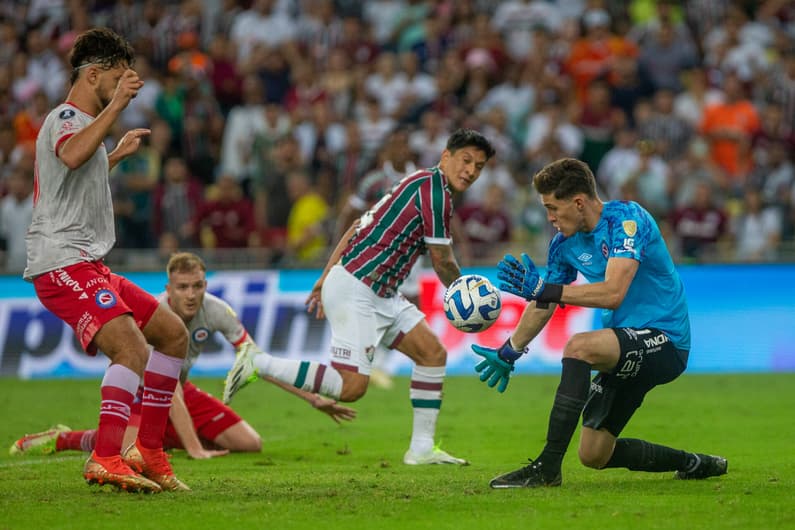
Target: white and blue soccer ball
{"points": [[472, 304]]}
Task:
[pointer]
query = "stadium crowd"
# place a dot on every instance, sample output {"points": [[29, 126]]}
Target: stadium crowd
{"points": [[267, 116]]}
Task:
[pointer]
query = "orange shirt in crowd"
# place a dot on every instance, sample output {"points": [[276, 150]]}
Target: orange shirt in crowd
{"points": [[732, 155]]}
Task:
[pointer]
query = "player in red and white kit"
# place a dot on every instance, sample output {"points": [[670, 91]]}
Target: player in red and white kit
{"points": [[71, 232], [199, 422]]}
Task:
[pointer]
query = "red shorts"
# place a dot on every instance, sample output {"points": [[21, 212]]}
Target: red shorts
{"points": [[209, 414], [87, 296]]}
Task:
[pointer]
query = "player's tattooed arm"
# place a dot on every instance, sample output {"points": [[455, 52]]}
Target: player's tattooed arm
{"points": [[444, 263]]}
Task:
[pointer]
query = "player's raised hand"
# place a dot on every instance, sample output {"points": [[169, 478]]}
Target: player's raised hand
{"points": [[127, 88], [130, 142], [335, 411], [521, 279]]}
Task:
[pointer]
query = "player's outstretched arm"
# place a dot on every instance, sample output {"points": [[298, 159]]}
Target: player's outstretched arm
{"points": [[444, 263], [326, 405], [183, 424]]}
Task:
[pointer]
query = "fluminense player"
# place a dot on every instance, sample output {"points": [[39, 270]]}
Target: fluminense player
{"points": [[358, 292], [71, 232], [199, 423], [618, 248]]}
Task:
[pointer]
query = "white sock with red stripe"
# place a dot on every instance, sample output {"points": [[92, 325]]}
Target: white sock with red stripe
{"points": [[160, 380], [117, 390], [426, 400], [309, 376]]}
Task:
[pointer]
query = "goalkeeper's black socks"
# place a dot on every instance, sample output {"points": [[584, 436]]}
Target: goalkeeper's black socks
{"points": [[575, 380], [639, 455]]}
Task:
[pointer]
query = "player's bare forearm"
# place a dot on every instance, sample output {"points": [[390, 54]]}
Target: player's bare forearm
{"points": [[607, 294], [530, 324], [79, 148], [180, 418], [444, 263], [341, 244]]}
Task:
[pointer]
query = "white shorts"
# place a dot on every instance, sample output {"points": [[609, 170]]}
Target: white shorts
{"points": [[361, 321]]}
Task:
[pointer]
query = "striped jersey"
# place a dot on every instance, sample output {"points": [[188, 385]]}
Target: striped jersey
{"points": [[394, 232], [72, 209], [213, 315]]}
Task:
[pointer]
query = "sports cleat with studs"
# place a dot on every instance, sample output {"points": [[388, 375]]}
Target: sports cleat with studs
{"points": [[38, 444], [112, 470], [154, 466], [241, 374], [707, 466], [434, 456], [532, 475]]}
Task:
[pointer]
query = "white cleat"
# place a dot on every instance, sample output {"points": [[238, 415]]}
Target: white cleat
{"points": [[242, 372], [434, 456]]}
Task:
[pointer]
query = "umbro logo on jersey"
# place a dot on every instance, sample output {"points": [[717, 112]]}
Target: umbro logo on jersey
{"points": [[585, 258]]}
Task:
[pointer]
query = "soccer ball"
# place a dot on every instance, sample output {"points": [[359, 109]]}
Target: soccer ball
{"points": [[472, 304]]}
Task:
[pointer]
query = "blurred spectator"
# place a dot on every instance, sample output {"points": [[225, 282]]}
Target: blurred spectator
{"points": [[9, 40], [650, 176], [664, 55], [420, 89], [16, 212], [757, 230], [629, 85], [429, 139], [261, 24], [777, 175], [44, 66], [30, 118], [619, 156], [224, 74], [729, 127], [552, 122], [170, 106], [307, 238], [598, 120], [694, 167], [516, 19], [593, 55], [780, 88], [373, 125], [689, 105], [140, 112], [320, 138], [318, 30], [202, 131], [337, 81], [176, 200], [515, 95], [269, 187], [670, 133], [305, 90], [700, 224], [243, 123], [226, 219], [350, 164], [133, 181], [486, 223], [387, 84]]}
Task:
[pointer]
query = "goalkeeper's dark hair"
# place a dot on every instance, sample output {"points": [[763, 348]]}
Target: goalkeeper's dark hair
{"points": [[101, 47], [183, 262], [468, 138], [565, 178]]}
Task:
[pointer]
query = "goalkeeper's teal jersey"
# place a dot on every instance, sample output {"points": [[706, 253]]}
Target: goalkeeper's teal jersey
{"points": [[656, 297]]}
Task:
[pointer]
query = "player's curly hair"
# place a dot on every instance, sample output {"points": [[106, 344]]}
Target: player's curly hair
{"points": [[565, 178], [184, 262], [469, 138], [101, 47]]}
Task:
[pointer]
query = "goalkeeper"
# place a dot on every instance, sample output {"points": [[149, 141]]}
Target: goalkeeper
{"points": [[198, 422], [618, 248]]}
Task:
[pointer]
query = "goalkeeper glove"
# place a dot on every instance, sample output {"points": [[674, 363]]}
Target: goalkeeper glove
{"points": [[497, 365]]}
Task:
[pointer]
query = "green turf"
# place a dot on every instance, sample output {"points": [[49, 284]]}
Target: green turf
{"points": [[314, 474]]}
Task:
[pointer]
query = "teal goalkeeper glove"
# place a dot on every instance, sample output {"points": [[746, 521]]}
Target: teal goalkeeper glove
{"points": [[497, 365]]}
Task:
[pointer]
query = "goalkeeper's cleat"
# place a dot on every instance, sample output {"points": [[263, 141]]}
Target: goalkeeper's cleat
{"points": [[112, 470], [40, 443], [242, 372], [434, 456], [532, 475], [153, 464], [706, 466]]}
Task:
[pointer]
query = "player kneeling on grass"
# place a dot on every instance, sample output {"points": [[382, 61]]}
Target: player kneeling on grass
{"points": [[358, 291], [198, 422], [618, 248]]}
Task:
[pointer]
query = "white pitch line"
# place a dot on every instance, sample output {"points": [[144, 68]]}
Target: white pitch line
{"points": [[48, 460]]}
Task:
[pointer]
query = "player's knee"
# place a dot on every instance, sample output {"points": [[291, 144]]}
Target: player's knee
{"points": [[593, 457], [353, 388], [577, 347], [436, 356], [251, 443]]}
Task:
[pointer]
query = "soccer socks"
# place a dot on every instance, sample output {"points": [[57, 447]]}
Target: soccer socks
{"points": [[639, 455], [160, 380], [426, 400], [309, 376], [575, 380], [76, 441], [117, 390]]}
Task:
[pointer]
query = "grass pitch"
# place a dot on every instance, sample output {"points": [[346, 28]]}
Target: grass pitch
{"points": [[315, 474]]}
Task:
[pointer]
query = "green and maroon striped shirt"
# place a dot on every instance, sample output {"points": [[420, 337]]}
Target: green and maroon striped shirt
{"points": [[395, 231]]}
